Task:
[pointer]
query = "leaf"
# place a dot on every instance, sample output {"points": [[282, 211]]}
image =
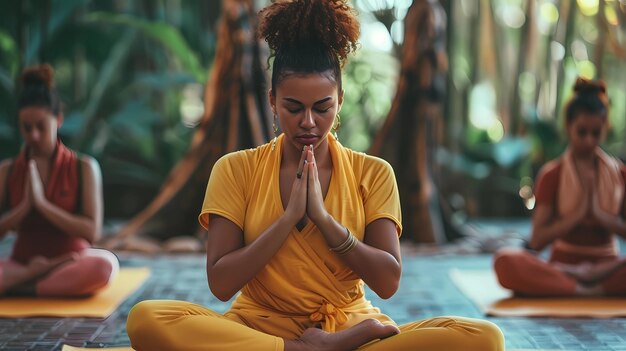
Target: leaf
{"points": [[61, 11], [9, 49], [166, 34]]}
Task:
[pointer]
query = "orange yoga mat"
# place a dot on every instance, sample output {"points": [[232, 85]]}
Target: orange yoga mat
{"points": [[100, 305], [482, 287]]}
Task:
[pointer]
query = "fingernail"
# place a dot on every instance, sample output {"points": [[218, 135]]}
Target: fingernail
{"points": [[311, 146], [304, 148]]}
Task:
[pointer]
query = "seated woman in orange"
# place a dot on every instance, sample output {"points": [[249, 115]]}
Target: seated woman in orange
{"points": [[580, 205], [52, 198], [298, 225]]}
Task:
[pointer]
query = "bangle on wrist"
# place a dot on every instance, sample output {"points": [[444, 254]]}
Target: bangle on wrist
{"points": [[347, 246]]}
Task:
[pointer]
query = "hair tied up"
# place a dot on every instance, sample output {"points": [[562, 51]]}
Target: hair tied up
{"points": [[41, 75], [586, 86]]}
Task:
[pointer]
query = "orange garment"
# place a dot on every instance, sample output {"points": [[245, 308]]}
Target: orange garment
{"points": [[244, 188], [93, 269], [37, 236], [304, 285], [559, 185]]}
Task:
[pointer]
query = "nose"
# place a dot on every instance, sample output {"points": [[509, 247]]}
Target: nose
{"points": [[34, 135], [307, 121]]}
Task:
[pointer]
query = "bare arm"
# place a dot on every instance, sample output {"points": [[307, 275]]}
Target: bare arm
{"points": [[376, 260], [226, 250], [87, 224], [546, 227], [613, 223], [11, 218]]}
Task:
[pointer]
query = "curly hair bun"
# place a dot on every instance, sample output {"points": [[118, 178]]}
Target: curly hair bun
{"points": [[586, 86], [293, 23], [38, 76]]}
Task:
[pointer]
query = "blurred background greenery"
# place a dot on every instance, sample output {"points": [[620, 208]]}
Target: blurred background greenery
{"points": [[132, 75]]}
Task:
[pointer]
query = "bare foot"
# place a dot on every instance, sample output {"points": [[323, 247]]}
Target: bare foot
{"points": [[37, 267], [349, 339]]}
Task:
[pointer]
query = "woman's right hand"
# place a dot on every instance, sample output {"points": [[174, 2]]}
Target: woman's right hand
{"points": [[296, 208], [27, 197], [584, 214]]}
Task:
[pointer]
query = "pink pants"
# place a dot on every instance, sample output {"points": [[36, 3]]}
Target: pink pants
{"points": [[526, 274], [91, 271]]}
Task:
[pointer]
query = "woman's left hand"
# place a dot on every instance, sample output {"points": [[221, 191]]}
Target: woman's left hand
{"points": [[36, 185], [315, 209]]}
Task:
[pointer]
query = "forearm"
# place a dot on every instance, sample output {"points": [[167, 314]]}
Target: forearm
{"points": [[11, 219], [234, 270], [377, 268], [75, 225], [542, 235], [615, 224]]}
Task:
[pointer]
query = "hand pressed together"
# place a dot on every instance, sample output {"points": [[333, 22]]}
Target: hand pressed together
{"points": [[307, 198], [36, 190]]}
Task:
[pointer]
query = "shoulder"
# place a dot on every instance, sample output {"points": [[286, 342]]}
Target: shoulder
{"points": [[242, 162], [238, 159], [5, 165], [89, 166], [622, 169], [550, 170], [370, 168]]}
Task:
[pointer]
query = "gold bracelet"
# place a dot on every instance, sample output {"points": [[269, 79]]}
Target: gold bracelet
{"points": [[344, 244], [352, 245], [349, 244]]}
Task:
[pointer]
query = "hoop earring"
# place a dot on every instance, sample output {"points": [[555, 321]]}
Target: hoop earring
{"points": [[275, 128], [337, 126]]}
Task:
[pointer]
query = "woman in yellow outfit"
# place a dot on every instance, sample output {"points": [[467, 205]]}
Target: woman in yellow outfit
{"points": [[300, 224]]}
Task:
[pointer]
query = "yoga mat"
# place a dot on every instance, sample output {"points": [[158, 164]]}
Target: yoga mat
{"points": [[72, 348], [482, 288], [100, 305]]}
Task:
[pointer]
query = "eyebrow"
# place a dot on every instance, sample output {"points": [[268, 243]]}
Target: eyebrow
{"points": [[315, 103]]}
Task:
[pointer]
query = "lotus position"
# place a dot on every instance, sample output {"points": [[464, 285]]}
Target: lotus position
{"points": [[580, 208], [52, 198], [300, 224]]}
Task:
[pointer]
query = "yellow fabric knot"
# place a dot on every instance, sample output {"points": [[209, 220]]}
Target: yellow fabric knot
{"points": [[330, 316]]}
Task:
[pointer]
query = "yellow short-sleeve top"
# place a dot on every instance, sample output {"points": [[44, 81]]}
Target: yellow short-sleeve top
{"points": [[244, 188]]}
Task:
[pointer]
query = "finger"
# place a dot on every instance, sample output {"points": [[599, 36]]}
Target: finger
{"points": [[310, 168], [301, 162], [305, 170]]}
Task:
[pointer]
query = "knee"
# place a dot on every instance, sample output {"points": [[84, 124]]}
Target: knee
{"points": [[505, 265], [492, 337], [98, 272], [143, 328]]}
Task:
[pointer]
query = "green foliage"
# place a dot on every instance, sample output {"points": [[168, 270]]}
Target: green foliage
{"points": [[120, 68]]}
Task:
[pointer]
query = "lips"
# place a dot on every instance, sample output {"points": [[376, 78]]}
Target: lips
{"points": [[307, 139]]}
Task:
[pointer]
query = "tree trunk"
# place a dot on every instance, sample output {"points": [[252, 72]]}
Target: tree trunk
{"points": [[403, 139], [236, 116]]}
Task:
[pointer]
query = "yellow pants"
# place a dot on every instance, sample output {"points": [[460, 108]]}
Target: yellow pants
{"points": [[178, 325]]}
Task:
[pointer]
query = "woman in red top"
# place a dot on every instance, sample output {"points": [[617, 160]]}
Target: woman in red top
{"points": [[580, 208], [52, 198]]}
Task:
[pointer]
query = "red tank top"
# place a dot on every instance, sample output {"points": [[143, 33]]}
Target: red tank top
{"points": [[37, 236]]}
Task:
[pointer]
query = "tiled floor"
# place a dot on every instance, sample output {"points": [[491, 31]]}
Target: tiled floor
{"points": [[425, 291]]}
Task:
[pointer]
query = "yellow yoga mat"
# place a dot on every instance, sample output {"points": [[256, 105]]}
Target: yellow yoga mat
{"points": [[482, 287], [100, 305], [72, 348]]}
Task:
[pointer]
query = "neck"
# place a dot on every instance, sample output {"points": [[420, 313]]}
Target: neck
{"points": [[44, 154]]}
